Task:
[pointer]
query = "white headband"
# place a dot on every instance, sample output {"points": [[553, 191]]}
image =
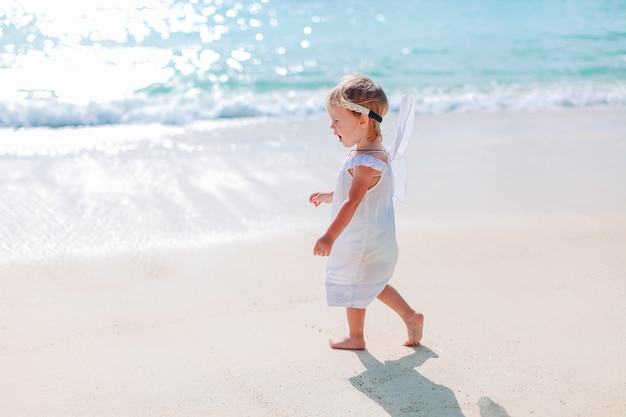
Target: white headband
{"points": [[361, 109]]}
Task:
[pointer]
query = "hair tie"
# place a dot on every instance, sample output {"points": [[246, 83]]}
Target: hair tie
{"points": [[361, 109]]}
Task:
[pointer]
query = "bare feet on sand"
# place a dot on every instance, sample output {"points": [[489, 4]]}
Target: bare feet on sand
{"points": [[414, 327], [347, 343]]}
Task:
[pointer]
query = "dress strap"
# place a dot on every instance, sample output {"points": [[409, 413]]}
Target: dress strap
{"points": [[365, 159]]}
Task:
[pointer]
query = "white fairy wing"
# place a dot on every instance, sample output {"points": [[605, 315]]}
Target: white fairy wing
{"points": [[406, 119]]}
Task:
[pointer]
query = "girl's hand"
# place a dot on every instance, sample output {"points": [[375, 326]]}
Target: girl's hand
{"points": [[323, 246], [318, 198]]}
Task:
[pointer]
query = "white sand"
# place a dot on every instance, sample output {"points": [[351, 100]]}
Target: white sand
{"points": [[513, 245]]}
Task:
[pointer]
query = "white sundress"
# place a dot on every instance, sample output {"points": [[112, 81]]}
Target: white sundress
{"points": [[364, 256]]}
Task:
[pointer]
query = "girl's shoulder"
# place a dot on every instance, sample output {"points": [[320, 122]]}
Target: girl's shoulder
{"points": [[375, 160]]}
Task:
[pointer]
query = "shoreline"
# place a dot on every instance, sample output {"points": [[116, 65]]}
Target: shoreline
{"points": [[487, 165]]}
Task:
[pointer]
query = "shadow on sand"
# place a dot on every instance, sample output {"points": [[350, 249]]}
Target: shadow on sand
{"points": [[402, 391]]}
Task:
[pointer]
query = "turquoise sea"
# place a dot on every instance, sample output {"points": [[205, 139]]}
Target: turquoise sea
{"points": [[95, 62], [128, 125]]}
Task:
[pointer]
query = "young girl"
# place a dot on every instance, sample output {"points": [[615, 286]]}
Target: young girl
{"points": [[361, 240]]}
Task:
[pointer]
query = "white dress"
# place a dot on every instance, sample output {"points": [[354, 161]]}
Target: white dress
{"points": [[364, 256]]}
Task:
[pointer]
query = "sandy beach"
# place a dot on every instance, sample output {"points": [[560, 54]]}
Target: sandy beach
{"points": [[512, 244]]}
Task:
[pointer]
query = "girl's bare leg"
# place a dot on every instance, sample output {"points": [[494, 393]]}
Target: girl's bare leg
{"points": [[356, 339], [414, 321]]}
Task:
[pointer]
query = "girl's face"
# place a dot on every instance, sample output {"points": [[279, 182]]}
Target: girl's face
{"points": [[350, 129]]}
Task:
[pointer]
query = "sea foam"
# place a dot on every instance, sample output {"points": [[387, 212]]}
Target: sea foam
{"points": [[185, 109]]}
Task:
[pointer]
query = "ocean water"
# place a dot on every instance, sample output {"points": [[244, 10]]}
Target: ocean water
{"points": [[132, 125], [174, 62], [76, 193]]}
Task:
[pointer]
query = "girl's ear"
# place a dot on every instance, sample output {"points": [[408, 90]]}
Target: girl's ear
{"points": [[364, 120]]}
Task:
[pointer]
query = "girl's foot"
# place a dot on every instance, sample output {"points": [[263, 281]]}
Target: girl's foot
{"points": [[414, 327], [347, 343]]}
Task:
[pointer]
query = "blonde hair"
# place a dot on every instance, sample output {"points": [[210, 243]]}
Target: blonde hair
{"points": [[361, 90]]}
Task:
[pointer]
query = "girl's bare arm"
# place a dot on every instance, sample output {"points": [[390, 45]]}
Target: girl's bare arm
{"points": [[361, 180]]}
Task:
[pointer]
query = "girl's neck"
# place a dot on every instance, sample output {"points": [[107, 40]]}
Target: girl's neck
{"points": [[376, 145], [359, 151], [369, 150]]}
